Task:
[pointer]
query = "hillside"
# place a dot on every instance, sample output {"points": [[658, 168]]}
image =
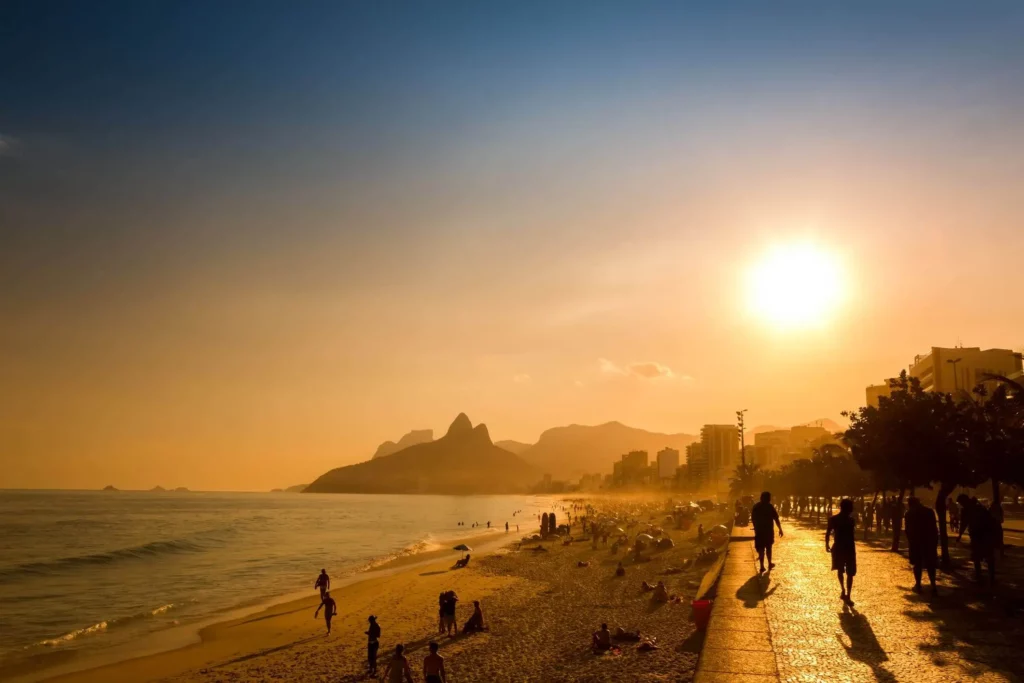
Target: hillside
{"points": [[414, 437], [463, 461], [568, 452], [517, 447]]}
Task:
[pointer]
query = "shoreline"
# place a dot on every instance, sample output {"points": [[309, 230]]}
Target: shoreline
{"points": [[196, 634]]}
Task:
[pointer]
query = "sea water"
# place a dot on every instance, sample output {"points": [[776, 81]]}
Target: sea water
{"points": [[83, 572]]}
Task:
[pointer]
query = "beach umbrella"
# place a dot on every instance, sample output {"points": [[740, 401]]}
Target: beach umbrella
{"points": [[463, 547]]}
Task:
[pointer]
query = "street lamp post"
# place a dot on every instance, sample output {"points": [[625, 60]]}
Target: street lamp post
{"points": [[743, 445]]}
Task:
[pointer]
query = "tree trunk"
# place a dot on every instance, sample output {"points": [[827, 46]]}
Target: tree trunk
{"points": [[995, 491], [940, 509], [897, 522], [874, 508]]}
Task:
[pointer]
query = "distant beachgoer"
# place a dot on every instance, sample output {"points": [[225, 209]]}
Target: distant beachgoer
{"points": [[602, 639], [661, 593], [475, 622], [765, 518], [700, 533], [330, 609], [433, 666], [488, 524], [398, 667], [954, 515], [517, 528], [869, 515], [978, 522], [844, 550], [922, 537], [323, 582], [448, 613], [506, 527], [620, 570], [372, 645]]}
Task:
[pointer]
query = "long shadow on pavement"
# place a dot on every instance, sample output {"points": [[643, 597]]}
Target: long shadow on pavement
{"points": [[864, 646]]}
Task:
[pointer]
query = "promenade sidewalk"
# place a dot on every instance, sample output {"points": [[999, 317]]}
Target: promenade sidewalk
{"points": [[792, 626]]}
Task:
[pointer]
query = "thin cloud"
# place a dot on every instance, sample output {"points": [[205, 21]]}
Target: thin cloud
{"points": [[645, 370], [522, 379], [610, 368]]}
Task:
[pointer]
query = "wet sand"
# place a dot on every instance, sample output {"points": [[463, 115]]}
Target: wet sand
{"points": [[539, 606]]}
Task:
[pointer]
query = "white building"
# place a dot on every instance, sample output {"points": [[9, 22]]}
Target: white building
{"points": [[668, 463]]}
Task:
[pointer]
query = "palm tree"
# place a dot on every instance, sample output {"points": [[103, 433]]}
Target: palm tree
{"points": [[745, 480]]}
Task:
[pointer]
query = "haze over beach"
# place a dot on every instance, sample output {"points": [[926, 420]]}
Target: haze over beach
{"points": [[527, 301]]}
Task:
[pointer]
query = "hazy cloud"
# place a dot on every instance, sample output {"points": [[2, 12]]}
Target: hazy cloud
{"points": [[641, 370], [522, 379]]}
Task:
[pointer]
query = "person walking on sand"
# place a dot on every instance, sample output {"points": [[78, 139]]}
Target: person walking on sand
{"points": [[372, 645], [844, 548], [506, 527], [978, 523], [323, 582], [922, 537], [765, 518], [433, 666], [330, 609], [398, 668]]}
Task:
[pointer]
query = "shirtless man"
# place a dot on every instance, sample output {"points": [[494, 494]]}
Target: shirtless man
{"points": [[398, 667], [602, 639], [330, 609], [323, 582], [433, 666]]}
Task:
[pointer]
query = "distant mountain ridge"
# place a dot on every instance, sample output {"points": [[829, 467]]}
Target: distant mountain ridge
{"points": [[569, 452], [517, 447], [463, 461], [414, 437]]}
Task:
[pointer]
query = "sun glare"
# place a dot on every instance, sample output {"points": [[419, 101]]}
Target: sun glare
{"points": [[796, 286]]}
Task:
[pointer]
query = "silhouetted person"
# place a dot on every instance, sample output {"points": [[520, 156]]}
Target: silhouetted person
{"points": [[448, 613], [372, 645], [330, 609], [475, 622], [506, 527], [765, 518], [323, 582], [869, 516], [433, 666], [923, 538], [398, 667], [602, 639], [700, 533], [620, 570], [954, 515], [978, 522], [844, 548]]}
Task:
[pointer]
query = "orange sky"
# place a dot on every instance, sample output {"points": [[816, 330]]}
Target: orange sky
{"points": [[241, 286]]}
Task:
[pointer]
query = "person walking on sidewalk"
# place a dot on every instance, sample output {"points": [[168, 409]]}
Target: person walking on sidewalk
{"points": [[765, 518], [922, 537], [844, 548]]}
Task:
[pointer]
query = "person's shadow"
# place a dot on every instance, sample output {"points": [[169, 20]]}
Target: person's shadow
{"points": [[864, 645], [753, 591]]}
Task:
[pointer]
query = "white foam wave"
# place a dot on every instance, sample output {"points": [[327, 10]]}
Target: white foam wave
{"points": [[77, 633]]}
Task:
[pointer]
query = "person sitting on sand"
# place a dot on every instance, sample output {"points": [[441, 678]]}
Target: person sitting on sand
{"points": [[330, 609], [398, 667], [602, 639], [433, 666], [620, 570], [660, 593], [372, 645], [475, 622], [646, 587], [323, 582], [622, 634]]}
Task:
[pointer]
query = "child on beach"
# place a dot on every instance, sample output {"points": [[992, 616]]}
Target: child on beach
{"points": [[433, 666], [398, 667]]}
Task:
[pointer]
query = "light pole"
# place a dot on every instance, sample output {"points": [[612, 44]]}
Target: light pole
{"points": [[743, 445], [956, 379]]}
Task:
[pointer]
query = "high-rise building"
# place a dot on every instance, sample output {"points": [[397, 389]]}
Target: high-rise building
{"points": [[668, 463], [950, 370], [696, 464], [874, 392], [720, 446]]}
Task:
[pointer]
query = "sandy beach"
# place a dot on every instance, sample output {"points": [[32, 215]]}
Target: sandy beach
{"points": [[540, 608]]}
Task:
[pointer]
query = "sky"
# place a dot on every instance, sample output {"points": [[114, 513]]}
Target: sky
{"points": [[246, 242]]}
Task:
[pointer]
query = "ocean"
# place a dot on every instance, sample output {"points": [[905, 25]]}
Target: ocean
{"points": [[88, 577]]}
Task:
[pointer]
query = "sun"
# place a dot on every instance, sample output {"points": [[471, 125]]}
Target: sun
{"points": [[796, 286]]}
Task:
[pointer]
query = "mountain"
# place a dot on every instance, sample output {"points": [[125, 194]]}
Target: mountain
{"points": [[568, 452], [414, 437], [157, 489], [831, 425], [298, 488], [517, 447], [463, 461], [109, 487]]}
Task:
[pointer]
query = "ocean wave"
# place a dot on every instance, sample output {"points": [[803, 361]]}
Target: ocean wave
{"points": [[425, 545], [104, 626], [139, 552]]}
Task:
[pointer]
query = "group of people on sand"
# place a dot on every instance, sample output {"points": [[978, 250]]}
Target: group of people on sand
{"points": [[446, 623]]}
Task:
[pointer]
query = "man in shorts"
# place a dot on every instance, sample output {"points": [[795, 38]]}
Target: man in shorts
{"points": [[765, 518], [433, 666], [844, 549]]}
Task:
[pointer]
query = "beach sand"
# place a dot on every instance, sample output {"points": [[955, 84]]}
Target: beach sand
{"points": [[539, 606]]}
